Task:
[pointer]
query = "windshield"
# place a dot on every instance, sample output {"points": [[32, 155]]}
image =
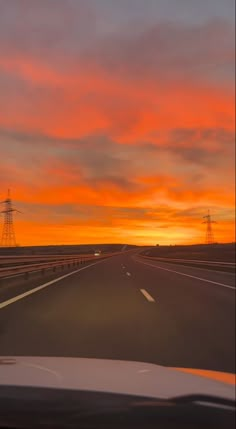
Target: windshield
{"points": [[117, 237]]}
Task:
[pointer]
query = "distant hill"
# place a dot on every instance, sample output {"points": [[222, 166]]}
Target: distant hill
{"points": [[214, 252], [65, 249]]}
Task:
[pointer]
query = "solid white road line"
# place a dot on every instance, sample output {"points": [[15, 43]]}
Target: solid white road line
{"points": [[193, 260], [147, 295], [186, 275], [36, 289]]}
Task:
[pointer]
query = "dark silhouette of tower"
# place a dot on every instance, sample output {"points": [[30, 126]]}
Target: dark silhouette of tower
{"points": [[8, 233], [209, 230]]}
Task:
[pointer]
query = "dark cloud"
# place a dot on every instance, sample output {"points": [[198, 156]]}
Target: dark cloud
{"points": [[219, 213], [51, 28], [94, 160], [100, 159], [60, 212], [139, 11], [20, 96], [203, 146], [97, 160], [64, 33], [183, 136], [170, 50], [195, 144], [34, 137]]}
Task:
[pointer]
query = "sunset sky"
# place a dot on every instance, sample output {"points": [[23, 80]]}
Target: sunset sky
{"points": [[117, 119]]}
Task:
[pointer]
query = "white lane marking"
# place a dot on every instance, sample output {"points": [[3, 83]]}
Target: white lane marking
{"points": [[187, 275], [192, 260], [226, 273], [36, 289], [128, 274], [147, 295]]}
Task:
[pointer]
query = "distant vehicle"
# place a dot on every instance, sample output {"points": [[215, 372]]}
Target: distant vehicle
{"points": [[70, 393], [97, 253]]}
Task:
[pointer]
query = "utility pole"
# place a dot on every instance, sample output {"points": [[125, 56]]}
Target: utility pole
{"points": [[8, 233], [209, 230]]}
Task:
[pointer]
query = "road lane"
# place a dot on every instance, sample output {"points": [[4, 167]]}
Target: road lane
{"points": [[225, 279], [101, 312], [198, 317], [32, 290]]}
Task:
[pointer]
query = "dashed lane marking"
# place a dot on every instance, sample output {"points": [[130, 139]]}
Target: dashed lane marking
{"points": [[147, 295]]}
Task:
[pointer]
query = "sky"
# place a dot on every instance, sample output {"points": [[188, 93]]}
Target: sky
{"points": [[117, 119]]}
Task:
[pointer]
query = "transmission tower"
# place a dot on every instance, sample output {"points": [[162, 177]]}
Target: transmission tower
{"points": [[209, 230], [8, 233]]}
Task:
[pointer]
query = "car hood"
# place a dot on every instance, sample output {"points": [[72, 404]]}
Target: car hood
{"points": [[112, 376]]}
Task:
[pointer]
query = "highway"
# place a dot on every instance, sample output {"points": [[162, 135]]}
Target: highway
{"points": [[127, 308]]}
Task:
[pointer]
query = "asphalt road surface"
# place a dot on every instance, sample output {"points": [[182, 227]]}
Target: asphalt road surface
{"points": [[125, 308]]}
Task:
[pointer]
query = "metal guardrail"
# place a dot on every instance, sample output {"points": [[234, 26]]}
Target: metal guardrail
{"points": [[9, 272], [219, 264], [5, 261], [46, 256]]}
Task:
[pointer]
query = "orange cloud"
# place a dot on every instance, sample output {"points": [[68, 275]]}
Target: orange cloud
{"points": [[83, 103], [161, 190]]}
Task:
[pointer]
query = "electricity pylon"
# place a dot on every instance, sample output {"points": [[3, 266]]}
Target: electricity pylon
{"points": [[209, 230], [8, 234]]}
